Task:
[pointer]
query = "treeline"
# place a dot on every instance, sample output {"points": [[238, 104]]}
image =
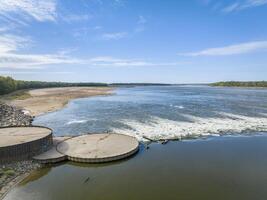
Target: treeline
{"points": [[139, 84], [241, 84], [8, 85]]}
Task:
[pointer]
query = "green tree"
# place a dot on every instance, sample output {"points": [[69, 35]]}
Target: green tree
{"points": [[7, 85]]}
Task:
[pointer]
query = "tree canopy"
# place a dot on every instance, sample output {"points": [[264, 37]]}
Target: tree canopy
{"points": [[241, 84], [8, 85]]}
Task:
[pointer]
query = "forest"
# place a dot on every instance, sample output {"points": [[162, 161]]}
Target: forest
{"points": [[8, 84], [241, 84]]}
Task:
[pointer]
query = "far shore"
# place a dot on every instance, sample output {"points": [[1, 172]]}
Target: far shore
{"points": [[40, 101]]}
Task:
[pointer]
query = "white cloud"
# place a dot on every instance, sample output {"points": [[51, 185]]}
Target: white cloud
{"points": [[141, 24], [140, 27], [4, 29], [25, 61], [141, 20], [242, 48], [97, 27], [11, 59], [114, 36], [10, 43], [241, 5], [232, 7], [118, 62], [40, 10], [22, 61], [75, 18]]}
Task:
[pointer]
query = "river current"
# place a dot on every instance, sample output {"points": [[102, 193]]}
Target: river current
{"points": [[164, 112]]}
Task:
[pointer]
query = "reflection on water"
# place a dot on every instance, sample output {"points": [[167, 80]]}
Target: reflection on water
{"points": [[218, 168], [35, 175]]}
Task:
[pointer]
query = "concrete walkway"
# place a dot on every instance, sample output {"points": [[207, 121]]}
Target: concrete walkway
{"points": [[52, 156]]}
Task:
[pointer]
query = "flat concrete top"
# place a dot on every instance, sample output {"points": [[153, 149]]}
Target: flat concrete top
{"points": [[98, 146], [19, 135]]}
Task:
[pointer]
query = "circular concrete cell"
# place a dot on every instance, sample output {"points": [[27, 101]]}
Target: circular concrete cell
{"points": [[18, 143], [96, 148]]}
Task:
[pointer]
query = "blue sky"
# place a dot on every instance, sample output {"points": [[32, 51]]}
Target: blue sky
{"points": [[171, 41]]}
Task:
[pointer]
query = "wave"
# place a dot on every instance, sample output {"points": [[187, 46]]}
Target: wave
{"points": [[76, 122], [159, 128], [176, 106]]}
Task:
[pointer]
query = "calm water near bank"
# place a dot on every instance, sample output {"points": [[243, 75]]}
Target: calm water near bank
{"points": [[230, 167]]}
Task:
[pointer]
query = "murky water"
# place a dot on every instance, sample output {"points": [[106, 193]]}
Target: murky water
{"points": [[230, 167], [221, 168]]}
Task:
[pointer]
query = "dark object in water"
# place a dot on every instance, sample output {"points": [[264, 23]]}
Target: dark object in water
{"points": [[86, 180], [151, 140], [164, 141]]}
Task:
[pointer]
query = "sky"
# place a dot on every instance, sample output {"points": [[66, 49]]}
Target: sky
{"points": [[170, 41]]}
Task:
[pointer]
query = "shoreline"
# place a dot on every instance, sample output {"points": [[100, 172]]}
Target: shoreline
{"points": [[42, 101], [14, 182], [21, 170], [38, 102]]}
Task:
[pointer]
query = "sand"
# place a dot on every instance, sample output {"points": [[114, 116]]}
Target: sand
{"points": [[51, 99]]}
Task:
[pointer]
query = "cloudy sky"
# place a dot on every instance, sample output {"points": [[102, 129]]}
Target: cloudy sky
{"points": [[194, 41]]}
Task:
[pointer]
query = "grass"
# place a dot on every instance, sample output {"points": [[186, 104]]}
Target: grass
{"points": [[10, 172], [7, 172], [17, 95]]}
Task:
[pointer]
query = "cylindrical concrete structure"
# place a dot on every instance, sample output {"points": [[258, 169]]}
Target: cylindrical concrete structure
{"points": [[98, 148], [21, 143]]}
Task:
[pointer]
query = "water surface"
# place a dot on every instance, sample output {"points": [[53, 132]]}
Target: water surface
{"points": [[164, 112]]}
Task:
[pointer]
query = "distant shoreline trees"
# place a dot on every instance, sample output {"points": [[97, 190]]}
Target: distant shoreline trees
{"points": [[8, 85], [241, 84]]}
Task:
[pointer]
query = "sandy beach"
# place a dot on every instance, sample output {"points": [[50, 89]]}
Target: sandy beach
{"points": [[51, 99]]}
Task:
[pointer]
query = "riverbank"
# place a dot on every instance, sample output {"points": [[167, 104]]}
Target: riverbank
{"points": [[13, 116], [12, 174], [40, 101]]}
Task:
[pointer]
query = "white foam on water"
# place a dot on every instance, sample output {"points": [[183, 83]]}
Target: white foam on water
{"points": [[160, 128], [176, 106], [76, 122]]}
